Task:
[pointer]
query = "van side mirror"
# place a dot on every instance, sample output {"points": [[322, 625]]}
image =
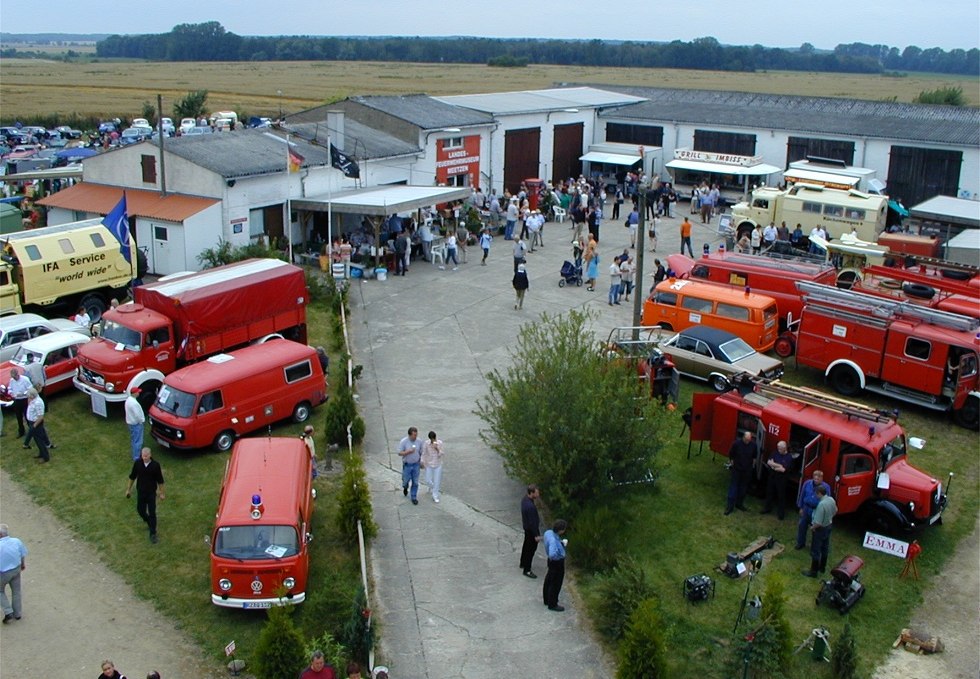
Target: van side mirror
{"points": [[917, 443], [207, 540], [309, 538], [884, 481]]}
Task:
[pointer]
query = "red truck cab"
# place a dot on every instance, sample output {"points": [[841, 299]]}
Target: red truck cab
{"points": [[260, 544], [861, 451]]}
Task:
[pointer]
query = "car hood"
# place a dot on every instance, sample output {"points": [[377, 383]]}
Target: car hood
{"points": [[101, 355], [759, 364]]}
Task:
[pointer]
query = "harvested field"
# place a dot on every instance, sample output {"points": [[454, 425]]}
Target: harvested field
{"points": [[116, 88]]}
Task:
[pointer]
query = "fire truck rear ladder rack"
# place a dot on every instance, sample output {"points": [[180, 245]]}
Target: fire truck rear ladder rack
{"points": [[884, 308], [815, 398], [935, 262]]}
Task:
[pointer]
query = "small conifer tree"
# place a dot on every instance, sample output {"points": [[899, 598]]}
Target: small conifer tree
{"points": [[843, 659], [280, 652], [642, 651]]}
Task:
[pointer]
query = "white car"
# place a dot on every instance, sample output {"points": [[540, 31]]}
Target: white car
{"points": [[18, 328], [141, 122], [167, 125], [187, 124]]}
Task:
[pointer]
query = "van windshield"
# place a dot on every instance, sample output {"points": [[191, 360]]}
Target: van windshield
{"points": [[175, 401], [256, 542], [120, 334]]}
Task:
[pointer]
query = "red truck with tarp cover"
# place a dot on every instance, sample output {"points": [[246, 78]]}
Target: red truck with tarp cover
{"points": [[861, 450], [173, 322]]}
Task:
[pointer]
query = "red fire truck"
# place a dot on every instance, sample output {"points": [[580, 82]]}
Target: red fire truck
{"points": [[861, 451], [899, 349]]}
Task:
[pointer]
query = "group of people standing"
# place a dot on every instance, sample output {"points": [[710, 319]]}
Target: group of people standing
{"points": [[816, 505], [23, 393], [554, 547]]}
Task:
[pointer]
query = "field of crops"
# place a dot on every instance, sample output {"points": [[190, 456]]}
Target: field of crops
{"points": [[116, 88]]}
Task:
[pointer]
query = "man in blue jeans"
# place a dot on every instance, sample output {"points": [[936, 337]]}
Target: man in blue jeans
{"points": [[410, 451], [808, 502], [821, 524]]}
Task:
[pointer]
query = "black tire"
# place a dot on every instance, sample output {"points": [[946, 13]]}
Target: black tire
{"points": [[847, 279], [94, 306], [664, 325], [224, 441], [785, 346], [969, 415], [918, 290], [579, 282], [955, 275], [845, 380], [718, 383], [880, 521], [301, 413], [561, 283]]}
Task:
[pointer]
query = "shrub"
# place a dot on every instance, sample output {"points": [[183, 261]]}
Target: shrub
{"points": [[616, 595], [333, 651], [341, 410], [357, 635], [950, 96], [774, 610], [642, 652], [596, 547], [279, 653], [354, 503], [844, 657]]}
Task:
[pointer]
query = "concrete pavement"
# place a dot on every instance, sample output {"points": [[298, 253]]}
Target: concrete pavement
{"points": [[448, 591]]}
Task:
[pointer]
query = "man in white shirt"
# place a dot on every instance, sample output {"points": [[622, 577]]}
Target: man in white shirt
{"points": [[134, 420], [769, 235], [17, 390], [819, 232]]}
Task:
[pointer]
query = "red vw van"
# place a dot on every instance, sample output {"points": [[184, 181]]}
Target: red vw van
{"points": [[260, 544]]}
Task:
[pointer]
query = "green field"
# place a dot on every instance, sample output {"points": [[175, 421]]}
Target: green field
{"points": [[105, 89]]}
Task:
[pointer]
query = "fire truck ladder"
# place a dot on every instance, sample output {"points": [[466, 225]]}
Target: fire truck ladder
{"points": [[884, 308], [935, 262], [774, 388]]}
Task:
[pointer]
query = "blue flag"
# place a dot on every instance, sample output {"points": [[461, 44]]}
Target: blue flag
{"points": [[117, 222]]}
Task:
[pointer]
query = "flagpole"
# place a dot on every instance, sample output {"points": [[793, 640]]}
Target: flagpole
{"points": [[289, 212], [330, 213]]}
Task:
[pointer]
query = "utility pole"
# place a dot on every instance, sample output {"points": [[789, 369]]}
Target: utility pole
{"points": [[639, 294], [163, 162]]}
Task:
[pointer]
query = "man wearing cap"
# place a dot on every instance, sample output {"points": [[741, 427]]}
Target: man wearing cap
{"points": [[134, 420]]}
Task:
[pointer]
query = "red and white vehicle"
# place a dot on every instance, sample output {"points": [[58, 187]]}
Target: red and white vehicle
{"points": [[56, 351], [861, 451], [899, 349], [174, 322]]}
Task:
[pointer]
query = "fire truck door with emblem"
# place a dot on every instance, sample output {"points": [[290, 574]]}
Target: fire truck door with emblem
{"points": [[855, 478]]}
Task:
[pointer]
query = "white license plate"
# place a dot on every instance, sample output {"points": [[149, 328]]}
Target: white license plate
{"points": [[163, 443], [256, 604]]}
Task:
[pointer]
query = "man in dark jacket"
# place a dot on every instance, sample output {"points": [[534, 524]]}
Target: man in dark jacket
{"points": [[532, 529], [741, 457], [149, 478]]}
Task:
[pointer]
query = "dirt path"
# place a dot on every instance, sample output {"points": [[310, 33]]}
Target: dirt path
{"points": [[77, 612], [951, 611]]}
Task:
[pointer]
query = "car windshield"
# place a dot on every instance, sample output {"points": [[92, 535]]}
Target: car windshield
{"points": [[175, 401], [20, 357], [256, 542], [892, 451], [735, 350], [120, 334]]}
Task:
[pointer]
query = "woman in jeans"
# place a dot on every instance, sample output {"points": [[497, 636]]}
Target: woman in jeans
{"points": [[432, 453]]}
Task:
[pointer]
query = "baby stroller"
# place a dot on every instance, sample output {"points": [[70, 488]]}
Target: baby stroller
{"points": [[570, 274]]}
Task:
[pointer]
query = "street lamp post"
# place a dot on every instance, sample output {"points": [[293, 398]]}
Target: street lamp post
{"points": [[279, 94]]}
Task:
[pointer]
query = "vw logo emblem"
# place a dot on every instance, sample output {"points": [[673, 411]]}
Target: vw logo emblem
{"points": [[256, 585]]}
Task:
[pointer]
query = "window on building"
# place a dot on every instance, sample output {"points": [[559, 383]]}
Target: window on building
{"points": [[160, 233], [149, 166], [452, 143], [735, 143], [624, 133]]}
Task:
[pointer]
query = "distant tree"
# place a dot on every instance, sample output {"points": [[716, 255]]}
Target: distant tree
{"points": [[150, 113], [191, 106], [507, 61], [950, 96]]}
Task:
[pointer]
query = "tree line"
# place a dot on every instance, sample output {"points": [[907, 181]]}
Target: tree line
{"points": [[211, 42]]}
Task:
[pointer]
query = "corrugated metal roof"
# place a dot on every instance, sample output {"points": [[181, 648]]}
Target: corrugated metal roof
{"points": [[100, 199], [360, 141], [428, 113], [533, 101], [955, 125], [244, 153]]}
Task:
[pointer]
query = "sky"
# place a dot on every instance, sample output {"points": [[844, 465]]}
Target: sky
{"points": [[823, 23]]}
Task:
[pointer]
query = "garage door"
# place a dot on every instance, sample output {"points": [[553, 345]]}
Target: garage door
{"points": [[568, 149], [521, 156]]}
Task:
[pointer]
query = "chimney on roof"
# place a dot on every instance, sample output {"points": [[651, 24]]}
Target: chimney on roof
{"points": [[335, 126]]}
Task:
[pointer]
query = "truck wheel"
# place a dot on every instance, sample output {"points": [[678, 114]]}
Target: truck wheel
{"points": [[94, 306], [785, 346], [969, 415], [719, 383], [881, 522], [847, 278], [301, 413], [845, 381], [664, 325], [224, 441]]}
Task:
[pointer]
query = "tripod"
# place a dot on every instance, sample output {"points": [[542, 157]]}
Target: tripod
{"points": [[754, 567]]}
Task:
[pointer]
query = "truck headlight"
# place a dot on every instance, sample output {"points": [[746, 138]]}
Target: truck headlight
{"points": [[289, 583], [180, 434], [110, 387], [224, 584]]}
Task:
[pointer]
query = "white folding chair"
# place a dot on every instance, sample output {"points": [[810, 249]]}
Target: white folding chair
{"points": [[438, 252], [560, 213]]}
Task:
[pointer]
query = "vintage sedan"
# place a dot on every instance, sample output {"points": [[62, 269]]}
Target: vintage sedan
{"points": [[18, 328], [715, 355], [56, 351]]}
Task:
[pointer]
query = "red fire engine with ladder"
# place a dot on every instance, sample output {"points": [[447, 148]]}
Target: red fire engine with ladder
{"points": [[895, 348], [861, 450]]}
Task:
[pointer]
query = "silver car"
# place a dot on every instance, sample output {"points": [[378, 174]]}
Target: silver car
{"points": [[18, 328]]}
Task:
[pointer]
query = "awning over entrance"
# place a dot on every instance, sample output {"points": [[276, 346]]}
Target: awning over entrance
{"points": [[68, 172], [612, 158], [382, 200], [723, 168]]}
